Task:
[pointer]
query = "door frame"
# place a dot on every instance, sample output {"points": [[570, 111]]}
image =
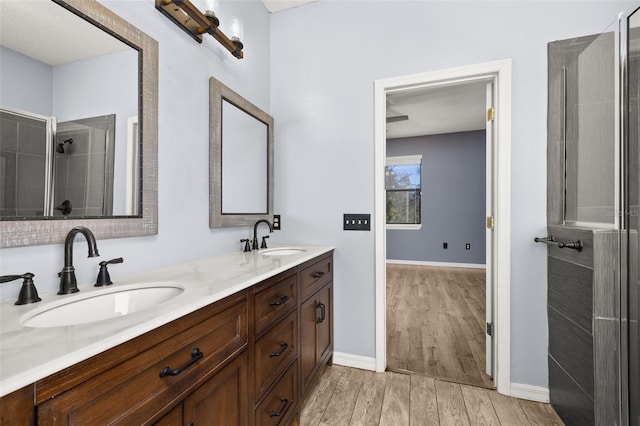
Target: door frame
{"points": [[500, 72]]}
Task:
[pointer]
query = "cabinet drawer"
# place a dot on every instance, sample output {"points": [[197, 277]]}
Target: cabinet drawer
{"points": [[280, 403], [135, 391], [274, 302], [274, 352], [314, 276]]}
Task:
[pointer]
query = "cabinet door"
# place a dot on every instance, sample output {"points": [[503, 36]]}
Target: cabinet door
{"points": [[17, 408], [172, 418], [309, 315], [324, 325], [222, 400]]}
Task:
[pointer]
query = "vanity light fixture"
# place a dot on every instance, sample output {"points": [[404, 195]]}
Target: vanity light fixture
{"points": [[188, 17]]}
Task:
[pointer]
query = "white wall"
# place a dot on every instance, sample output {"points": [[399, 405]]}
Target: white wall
{"points": [[325, 59], [184, 70]]}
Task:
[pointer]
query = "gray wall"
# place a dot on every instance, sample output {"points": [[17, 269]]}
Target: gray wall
{"points": [[323, 100], [112, 89], [25, 84], [453, 199]]}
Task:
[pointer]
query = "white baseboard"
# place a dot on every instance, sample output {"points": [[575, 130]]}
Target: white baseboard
{"points": [[530, 392], [447, 264], [355, 361]]}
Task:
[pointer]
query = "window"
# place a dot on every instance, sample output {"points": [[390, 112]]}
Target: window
{"points": [[403, 185]]}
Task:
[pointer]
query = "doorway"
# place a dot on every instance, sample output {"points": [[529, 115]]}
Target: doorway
{"points": [[498, 299]]}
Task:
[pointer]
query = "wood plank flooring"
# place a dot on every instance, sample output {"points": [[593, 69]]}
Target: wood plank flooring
{"points": [[348, 396], [435, 322]]}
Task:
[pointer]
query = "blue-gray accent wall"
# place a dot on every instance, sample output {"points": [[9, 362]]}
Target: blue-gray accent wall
{"points": [[453, 199]]}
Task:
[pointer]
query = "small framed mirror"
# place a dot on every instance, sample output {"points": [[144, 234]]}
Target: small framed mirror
{"points": [[241, 160]]}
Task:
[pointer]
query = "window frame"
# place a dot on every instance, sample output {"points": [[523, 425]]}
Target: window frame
{"points": [[398, 161]]}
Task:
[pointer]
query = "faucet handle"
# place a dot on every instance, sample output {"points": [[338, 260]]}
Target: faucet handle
{"points": [[264, 242], [103, 274], [247, 247], [28, 292]]}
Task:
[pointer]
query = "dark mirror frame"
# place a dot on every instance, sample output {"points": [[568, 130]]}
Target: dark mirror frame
{"points": [[17, 233], [217, 92]]}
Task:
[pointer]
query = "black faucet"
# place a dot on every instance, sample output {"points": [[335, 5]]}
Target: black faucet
{"points": [[254, 244], [67, 276], [28, 292]]}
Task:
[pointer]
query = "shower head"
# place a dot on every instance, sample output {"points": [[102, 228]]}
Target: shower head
{"points": [[60, 147]]}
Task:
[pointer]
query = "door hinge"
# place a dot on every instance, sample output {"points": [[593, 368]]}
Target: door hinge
{"points": [[490, 329], [491, 222], [491, 114]]}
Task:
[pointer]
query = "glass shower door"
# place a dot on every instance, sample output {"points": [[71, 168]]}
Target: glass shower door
{"points": [[591, 139]]}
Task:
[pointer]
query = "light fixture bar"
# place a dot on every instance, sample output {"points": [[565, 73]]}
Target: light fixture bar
{"points": [[188, 17]]}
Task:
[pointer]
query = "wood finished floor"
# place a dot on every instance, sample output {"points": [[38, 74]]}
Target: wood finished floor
{"points": [[435, 322], [348, 396]]}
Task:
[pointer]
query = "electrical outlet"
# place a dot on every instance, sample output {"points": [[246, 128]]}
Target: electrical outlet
{"points": [[356, 222], [467, 246], [276, 222], [445, 246]]}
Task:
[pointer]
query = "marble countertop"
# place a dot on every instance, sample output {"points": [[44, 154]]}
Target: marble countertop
{"points": [[29, 354]]}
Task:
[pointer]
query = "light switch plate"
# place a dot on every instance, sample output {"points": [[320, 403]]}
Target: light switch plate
{"points": [[356, 222]]}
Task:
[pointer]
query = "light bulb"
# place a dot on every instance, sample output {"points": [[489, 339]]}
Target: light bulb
{"points": [[211, 6], [237, 29]]}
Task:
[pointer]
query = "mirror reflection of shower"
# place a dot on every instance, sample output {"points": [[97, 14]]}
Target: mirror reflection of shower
{"points": [[60, 147], [44, 163]]}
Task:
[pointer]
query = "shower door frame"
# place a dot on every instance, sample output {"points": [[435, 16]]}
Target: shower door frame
{"points": [[626, 261], [50, 127]]}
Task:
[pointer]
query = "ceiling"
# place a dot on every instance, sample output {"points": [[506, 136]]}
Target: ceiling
{"points": [[55, 36], [437, 110], [278, 5]]}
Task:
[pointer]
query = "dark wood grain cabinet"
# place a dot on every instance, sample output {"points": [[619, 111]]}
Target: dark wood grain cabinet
{"points": [[275, 350], [246, 359], [221, 400], [16, 408], [316, 321], [141, 385]]}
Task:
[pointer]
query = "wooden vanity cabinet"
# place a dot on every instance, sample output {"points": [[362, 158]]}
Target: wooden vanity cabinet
{"points": [[247, 359], [316, 321], [126, 384], [220, 400], [16, 408], [275, 350]]}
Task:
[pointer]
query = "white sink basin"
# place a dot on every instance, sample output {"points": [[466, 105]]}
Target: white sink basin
{"points": [[282, 251], [100, 305]]}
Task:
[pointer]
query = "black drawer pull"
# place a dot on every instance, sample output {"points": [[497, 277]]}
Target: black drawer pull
{"points": [[323, 312], [283, 347], [284, 401], [318, 274], [279, 302], [195, 356]]}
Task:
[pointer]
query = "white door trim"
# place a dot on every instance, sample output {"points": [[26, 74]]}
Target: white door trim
{"points": [[501, 72], [489, 240]]}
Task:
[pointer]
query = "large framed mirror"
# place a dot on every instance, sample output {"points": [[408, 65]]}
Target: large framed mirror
{"points": [[241, 160], [78, 123]]}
